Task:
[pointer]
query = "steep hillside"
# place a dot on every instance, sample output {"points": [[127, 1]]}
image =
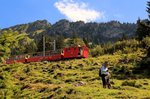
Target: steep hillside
{"points": [[96, 32], [92, 32], [73, 79], [33, 29]]}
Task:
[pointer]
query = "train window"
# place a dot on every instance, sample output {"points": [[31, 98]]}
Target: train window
{"points": [[35, 54]]}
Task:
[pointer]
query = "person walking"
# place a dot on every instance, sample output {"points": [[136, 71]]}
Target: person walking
{"points": [[105, 75]]}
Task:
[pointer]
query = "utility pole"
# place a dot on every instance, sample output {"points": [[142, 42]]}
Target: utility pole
{"points": [[43, 45], [54, 45]]}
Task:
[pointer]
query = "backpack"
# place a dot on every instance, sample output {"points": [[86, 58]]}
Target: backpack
{"points": [[100, 75]]}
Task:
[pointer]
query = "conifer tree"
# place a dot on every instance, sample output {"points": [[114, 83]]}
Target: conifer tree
{"points": [[143, 29], [148, 9]]}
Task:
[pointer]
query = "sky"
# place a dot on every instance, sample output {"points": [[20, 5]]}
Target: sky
{"points": [[13, 12]]}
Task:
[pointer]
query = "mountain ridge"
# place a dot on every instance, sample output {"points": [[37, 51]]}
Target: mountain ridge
{"points": [[93, 32]]}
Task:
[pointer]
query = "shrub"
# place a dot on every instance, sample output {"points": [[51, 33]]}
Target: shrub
{"points": [[129, 83], [146, 42], [97, 51], [132, 84], [2, 84], [122, 70]]}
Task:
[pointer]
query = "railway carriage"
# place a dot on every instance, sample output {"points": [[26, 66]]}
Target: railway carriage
{"points": [[66, 53]]}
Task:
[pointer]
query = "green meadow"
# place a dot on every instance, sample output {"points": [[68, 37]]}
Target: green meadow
{"points": [[75, 79]]}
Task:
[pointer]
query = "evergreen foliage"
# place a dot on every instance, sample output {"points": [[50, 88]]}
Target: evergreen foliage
{"points": [[9, 41], [143, 29], [148, 9], [144, 35]]}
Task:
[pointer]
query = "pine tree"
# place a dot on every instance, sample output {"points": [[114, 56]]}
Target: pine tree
{"points": [[143, 29], [146, 31], [148, 9]]}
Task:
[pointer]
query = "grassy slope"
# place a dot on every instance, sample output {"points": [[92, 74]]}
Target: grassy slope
{"points": [[72, 79]]}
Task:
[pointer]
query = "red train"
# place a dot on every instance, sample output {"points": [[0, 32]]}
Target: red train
{"points": [[66, 53]]}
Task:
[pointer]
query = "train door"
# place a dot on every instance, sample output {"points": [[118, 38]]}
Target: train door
{"points": [[80, 51]]}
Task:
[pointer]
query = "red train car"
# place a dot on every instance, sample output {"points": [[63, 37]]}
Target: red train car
{"points": [[75, 52], [67, 53]]}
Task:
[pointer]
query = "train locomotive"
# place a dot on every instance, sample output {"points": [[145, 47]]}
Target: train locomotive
{"points": [[66, 53]]}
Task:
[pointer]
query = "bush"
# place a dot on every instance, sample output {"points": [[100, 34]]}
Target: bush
{"points": [[146, 42], [144, 66], [132, 84], [129, 83], [97, 51], [122, 70]]}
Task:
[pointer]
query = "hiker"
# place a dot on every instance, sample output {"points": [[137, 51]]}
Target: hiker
{"points": [[105, 75]]}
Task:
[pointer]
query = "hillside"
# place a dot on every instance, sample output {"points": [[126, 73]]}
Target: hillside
{"points": [[33, 29], [74, 79], [93, 32]]}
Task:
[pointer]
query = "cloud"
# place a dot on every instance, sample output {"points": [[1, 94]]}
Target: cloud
{"points": [[78, 11]]}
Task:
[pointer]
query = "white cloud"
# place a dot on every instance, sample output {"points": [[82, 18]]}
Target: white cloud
{"points": [[78, 11]]}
